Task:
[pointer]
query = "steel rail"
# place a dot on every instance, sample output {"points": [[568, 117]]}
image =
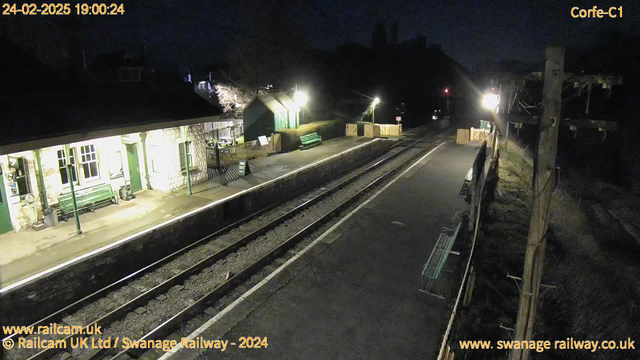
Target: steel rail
{"points": [[167, 284], [165, 328], [59, 314]]}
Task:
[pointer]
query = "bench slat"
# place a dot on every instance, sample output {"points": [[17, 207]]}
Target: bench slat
{"points": [[86, 197], [310, 139], [438, 257]]}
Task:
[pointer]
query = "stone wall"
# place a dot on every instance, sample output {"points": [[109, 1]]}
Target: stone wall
{"points": [[164, 157], [37, 298], [113, 166]]}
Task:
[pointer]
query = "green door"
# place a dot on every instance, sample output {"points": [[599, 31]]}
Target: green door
{"points": [[134, 167], [281, 121], [5, 217]]}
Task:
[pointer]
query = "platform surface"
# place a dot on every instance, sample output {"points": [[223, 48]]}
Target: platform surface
{"points": [[30, 252], [358, 297]]}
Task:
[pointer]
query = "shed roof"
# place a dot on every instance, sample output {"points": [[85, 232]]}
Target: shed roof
{"points": [[278, 102], [29, 118]]}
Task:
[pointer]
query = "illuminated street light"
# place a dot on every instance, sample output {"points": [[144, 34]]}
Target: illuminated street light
{"points": [[490, 101], [375, 102], [300, 98]]}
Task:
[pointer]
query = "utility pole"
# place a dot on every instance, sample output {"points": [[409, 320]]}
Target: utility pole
{"points": [[373, 114], [543, 183], [185, 131], [70, 169]]}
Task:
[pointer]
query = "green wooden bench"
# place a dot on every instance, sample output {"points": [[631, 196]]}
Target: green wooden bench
{"points": [[433, 267], [310, 140], [86, 199]]}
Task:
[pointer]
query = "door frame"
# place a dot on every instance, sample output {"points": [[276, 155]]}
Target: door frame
{"points": [[137, 166], [5, 220]]}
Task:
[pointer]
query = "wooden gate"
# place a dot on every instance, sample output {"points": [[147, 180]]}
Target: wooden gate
{"points": [[351, 130]]}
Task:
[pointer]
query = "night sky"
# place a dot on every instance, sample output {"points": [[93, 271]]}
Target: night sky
{"points": [[192, 33]]}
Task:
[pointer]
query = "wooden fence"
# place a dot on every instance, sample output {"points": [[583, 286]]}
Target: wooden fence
{"points": [[463, 136], [483, 187], [232, 155], [351, 130], [371, 130], [480, 135], [390, 130], [377, 130]]}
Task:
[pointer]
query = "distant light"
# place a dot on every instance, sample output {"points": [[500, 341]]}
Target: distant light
{"points": [[300, 98], [446, 90], [376, 101], [490, 101]]}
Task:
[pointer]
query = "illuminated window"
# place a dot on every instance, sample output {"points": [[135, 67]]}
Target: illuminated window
{"points": [[21, 168], [181, 151], [89, 160], [62, 165], [115, 165]]}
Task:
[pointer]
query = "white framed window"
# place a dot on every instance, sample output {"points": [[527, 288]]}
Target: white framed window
{"points": [[116, 169], [62, 166], [89, 160], [21, 172]]}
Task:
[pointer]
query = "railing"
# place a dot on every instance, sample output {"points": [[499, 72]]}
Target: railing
{"points": [[483, 186], [231, 155]]}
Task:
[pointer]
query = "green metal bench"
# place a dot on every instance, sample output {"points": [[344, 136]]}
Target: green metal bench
{"points": [[310, 140], [433, 267], [86, 199]]}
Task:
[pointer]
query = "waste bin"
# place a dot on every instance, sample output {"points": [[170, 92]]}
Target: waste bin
{"points": [[50, 217]]}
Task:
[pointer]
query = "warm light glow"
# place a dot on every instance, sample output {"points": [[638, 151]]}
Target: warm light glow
{"points": [[490, 101], [446, 90], [376, 101], [300, 98]]}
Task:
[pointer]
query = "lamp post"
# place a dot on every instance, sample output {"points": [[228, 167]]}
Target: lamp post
{"points": [[447, 93], [490, 101], [70, 169], [300, 98], [375, 102]]}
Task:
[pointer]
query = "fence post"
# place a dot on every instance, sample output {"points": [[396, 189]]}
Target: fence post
{"points": [[217, 156], [468, 294]]}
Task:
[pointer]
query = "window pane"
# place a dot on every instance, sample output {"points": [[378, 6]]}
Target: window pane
{"points": [[23, 186], [22, 176], [93, 166], [63, 176], [181, 153], [89, 160]]}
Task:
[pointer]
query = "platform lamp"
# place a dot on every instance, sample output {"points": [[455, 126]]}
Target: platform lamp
{"points": [[70, 169], [300, 98], [375, 102]]}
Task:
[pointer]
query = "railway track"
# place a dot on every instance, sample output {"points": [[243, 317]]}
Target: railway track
{"points": [[215, 255]]}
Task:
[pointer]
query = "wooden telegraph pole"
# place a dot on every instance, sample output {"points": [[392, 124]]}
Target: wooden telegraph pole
{"points": [[543, 182]]}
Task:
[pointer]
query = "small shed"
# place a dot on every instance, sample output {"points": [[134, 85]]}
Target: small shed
{"points": [[268, 113]]}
